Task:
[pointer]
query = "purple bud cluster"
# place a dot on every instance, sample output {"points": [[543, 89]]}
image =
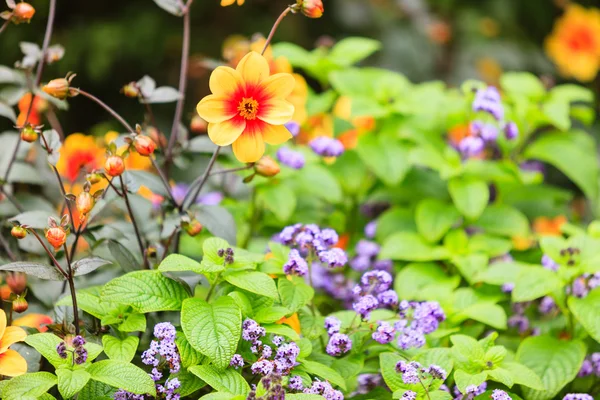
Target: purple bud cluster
{"points": [[578, 396], [290, 158], [295, 383], [549, 263], [373, 291], [285, 356], [293, 127], [409, 395], [80, 354], [591, 365], [366, 254], [310, 239], [547, 305], [519, 320], [295, 265], [273, 389], [498, 394], [471, 392], [325, 389], [368, 382], [418, 319], [237, 361], [338, 344], [412, 372], [583, 284], [326, 146]]}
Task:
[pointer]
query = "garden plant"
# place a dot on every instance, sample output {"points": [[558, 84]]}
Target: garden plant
{"points": [[332, 230]]}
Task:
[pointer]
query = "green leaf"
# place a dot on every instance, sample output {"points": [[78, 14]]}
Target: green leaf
{"points": [[353, 49], [89, 300], [434, 218], [387, 365], [120, 349], [211, 259], [224, 381], [28, 386], [503, 220], [96, 391], [418, 278], [522, 375], [522, 84], [39, 270], [469, 195], [71, 382], [463, 379], [122, 375], [254, 282], [123, 256], [471, 265], [555, 361], [319, 181], [218, 220], [486, 312], [466, 349], [409, 246], [573, 153], [243, 302], [189, 356], [389, 161], [213, 329], [294, 294], [45, 344], [279, 199], [501, 375], [587, 310], [179, 263], [282, 330], [271, 314], [534, 282], [323, 371], [190, 383], [134, 322], [146, 291]]}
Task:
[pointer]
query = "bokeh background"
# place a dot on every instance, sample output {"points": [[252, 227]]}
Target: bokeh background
{"points": [[109, 43]]}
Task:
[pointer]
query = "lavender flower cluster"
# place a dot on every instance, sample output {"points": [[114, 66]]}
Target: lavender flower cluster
{"points": [[325, 389], [412, 372], [272, 386], [591, 365], [471, 392], [290, 158], [339, 343], [366, 257], [80, 354], [326, 146], [583, 284], [282, 361], [307, 240], [373, 291], [578, 396], [485, 134]]}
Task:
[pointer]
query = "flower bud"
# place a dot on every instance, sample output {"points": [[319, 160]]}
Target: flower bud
{"points": [[29, 134], [84, 203], [17, 282], [114, 165], [18, 232], [5, 293], [193, 227], [20, 305], [311, 8], [267, 167], [58, 88], [56, 236], [130, 90], [93, 178], [23, 12], [198, 125], [144, 145]]}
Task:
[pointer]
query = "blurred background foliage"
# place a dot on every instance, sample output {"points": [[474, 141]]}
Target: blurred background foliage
{"points": [[110, 43]]}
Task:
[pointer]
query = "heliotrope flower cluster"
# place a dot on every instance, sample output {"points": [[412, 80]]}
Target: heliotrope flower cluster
{"points": [[366, 257], [325, 389], [368, 382], [339, 343], [549, 263], [418, 319], [583, 284], [412, 372], [471, 392], [373, 291], [290, 158], [272, 386], [281, 361], [326, 146], [498, 394], [80, 354], [519, 320], [578, 396], [591, 365]]}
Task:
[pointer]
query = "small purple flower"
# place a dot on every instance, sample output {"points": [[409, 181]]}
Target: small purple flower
{"points": [[511, 131], [489, 133], [367, 248], [296, 265], [293, 127], [409, 395], [291, 158], [520, 322], [78, 341], [334, 257], [165, 331], [578, 396], [61, 349], [156, 375], [388, 298], [252, 331], [471, 146], [80, 355], [262, 367], [409, 371], [360, 263], [587, 368], [338, 344], [371, 229], [437, 372], [211, 198], [365, 305], [488, 100], [508, 287], [296, 383], [498, 394], [327, 147], [384, 333], [324, 389], [377, 281], [329, 236], [287, 234], [549, 263], [532, 166], [547, 305], [277, 340], [267, 351], [384, 265], [332, 325]]}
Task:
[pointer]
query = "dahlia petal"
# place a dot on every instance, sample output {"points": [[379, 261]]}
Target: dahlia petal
{"points": [[215, 109], [250, 146], [276, 111], [278, 85], [12, 335], [226, 132], [33, 320], [224, 81], [276, 134], [12, 363], [254, 68], [2, 322]]}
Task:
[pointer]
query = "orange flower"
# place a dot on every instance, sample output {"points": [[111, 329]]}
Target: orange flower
{"points": [[316, 126], [79, 152], [574, 44], [292, 321], [362, 124], [248, 107], [545, 226], [225, 3], [38, 106], [11, 362], [33, 320], [133, 160]]}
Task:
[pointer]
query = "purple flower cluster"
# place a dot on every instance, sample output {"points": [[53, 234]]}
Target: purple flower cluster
{"points": [[366, 254], [591, 365], [547, 305], [237, 361], [471, 392], [325, 389], [578, 396], [418, 319], [295, 265], [295, 383], [168, 389], [549, 263], [409, 395], [582, 285], [488, 100], [290, 158], [293, 127], [326, 146], [368, 382], [80, 354], [285, 356], [339, 344], [372, 292], [519, 320], [310, 239], [412, 372], [498, 394], [384, 333]]}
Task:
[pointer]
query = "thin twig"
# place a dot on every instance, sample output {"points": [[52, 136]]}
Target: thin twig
{"points": [[200, 181], [12, 199], [133, 222], [168, 244], [185, 53], [72, 289], [4, 25], [54, 122], [274, 29], [6, 247], [226, 171]]}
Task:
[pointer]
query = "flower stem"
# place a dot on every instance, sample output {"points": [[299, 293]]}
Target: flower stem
{"points": [[192, 195], [133, 222], [12, 199], [274, 29], [425, 389], [226, 171], [4, 25], [71, 281], [185, 53], [56, 263]]}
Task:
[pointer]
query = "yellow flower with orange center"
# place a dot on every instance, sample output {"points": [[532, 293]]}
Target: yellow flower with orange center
{"points": [[79, 154], [247, 107], [574, 44], [11, 362]]}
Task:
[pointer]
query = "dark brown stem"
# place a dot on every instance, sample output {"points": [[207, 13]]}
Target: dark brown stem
{"points": [[274, 29], [71, 281], [107, 108], [165, 182], [12, 199], [133, 222], [168, 244], [77, 234], [38, 78], [56, 263], [114, 188], [190, 198], [7, 249], [4, 25], [226, 171], [185, 53]]}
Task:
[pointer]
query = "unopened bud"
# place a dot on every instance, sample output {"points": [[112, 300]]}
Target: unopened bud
{"points": [[29, 134], [20, 305], [5, 292], [144, 145], [58, 88], [93, 178], [56, 236], [193, 227], [23, 12], [84, 203], [130, 90], [114, 165], [198, 124], [266, 167], [17, 282], [311, 8], [18, 232]]}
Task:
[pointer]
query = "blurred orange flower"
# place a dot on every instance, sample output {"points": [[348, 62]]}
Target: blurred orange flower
{"points": [[362, 124], [11, 362], [574, 44], [315, 126], [38, 106], [546, 226], [79, 152], [225, 3], [292, 321], [133, 160], [33, 320]]}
